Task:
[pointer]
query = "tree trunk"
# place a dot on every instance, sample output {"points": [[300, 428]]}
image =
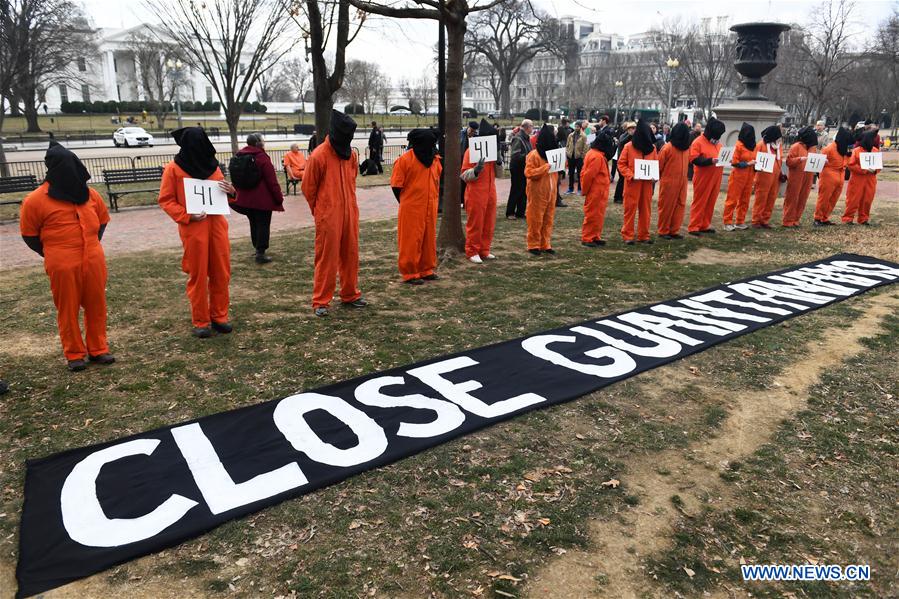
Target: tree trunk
{"points": [[232, 117], [324, 103], [451, 237], [506, 98], [31, 118]]}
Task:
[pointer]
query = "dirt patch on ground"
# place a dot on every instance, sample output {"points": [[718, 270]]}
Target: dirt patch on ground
{"points": [[710, 256], [26, 344], [677, 483]]}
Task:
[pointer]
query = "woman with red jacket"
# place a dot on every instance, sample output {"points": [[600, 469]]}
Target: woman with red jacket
{"points": [[258, 201]]}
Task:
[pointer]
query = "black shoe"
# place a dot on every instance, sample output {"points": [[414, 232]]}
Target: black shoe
{"points": [[4, 387], [599, 242], [414, 282], [76, 365], [709, 231], [549, 251], [865, 224], [321, 311], [534, 252], [202, 332], [262, 258], [431, 277], [666, 236], [617, 201], [629, 242], [765, 226], [826, 223], [103, 359], [222, 327], [561, 205], [675, 236], [818, 223], [359, 303], [850, 223], [589, 244], [647, 241], [694, 233]]}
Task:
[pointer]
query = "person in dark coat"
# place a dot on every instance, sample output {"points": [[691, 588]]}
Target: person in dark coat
{"points": [[629, 128], [519, 147], [258, 203], [376, 147], [313, 140]]}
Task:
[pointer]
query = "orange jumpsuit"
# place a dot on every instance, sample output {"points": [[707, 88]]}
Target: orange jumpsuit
{"points": [[595, 182], [637, 194], [706, 184], [541, 194], [295, 163], [766, 185], [75, 263], [480, 206], [739, 185], [860, 189], [207, 251], [329, 185], [673, 165], [416, 230], [799, 184], [830, 182]]}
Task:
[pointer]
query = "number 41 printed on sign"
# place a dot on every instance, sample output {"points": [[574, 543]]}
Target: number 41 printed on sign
{"points": [[202, 195]]}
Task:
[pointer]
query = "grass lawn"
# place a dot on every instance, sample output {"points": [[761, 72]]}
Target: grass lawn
{"points": [[479, 516]]}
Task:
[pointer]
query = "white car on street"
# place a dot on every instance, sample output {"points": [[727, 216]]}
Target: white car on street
{"points": [[131, 136]]}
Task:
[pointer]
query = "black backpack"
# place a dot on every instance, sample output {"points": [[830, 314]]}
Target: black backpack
{"points": [[244, 171]]}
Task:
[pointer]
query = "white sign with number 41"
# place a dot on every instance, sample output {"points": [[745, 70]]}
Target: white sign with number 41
{"points": [[556, 160], [203, 195], [871, 160], [764, 162], [725, 156], [814, 163], [646, 170], [484, 146]]}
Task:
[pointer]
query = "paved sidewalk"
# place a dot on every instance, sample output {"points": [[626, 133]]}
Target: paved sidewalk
{"points": [[140, 229]]}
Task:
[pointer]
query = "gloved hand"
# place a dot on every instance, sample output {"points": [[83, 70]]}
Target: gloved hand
{"points": [[479, 167]]}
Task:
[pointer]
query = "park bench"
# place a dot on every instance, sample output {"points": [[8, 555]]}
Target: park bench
{"points": [[130, 176], [17, 184]]}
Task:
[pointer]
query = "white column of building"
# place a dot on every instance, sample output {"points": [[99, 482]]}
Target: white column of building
{"points": [[109, 76]]}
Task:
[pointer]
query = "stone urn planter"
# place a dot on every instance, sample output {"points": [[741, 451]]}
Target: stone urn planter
{"points": [[756, 54]]}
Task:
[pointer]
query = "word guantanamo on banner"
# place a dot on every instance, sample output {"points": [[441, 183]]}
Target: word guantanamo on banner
{"points": [[93, 507]]}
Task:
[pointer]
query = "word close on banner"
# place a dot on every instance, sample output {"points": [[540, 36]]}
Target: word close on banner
{"points": [[725, 156], [646, 170], [764, 162], [87, 509], [483, 147], [871, 160], [202, 195], [556, 159], [814, 163]]}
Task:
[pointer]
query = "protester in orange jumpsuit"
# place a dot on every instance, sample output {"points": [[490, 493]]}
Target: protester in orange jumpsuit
{"points": [[416, 185], [329, 185], [739, 183], [63, 220], [480, 202], [674, 161], [207, 251], [799, 182], [541, 193], [294, 164], [706, 177], [767, 184], [830, 181], [595, 181], [862, 182], [637, 192]]}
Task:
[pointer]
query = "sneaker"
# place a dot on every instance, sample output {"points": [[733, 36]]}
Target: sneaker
{"points": [[512, 217], [476, 260], [741, 227], [76, 365], [489, 257], [431, 277], [827, 223], [569, 192], [534, 252], [729, 228], [321, 311], [818, 223], [414, 282], [357, 303], [202, 332], [104, 359], [262, 258], [222, 327], [549, 251]]}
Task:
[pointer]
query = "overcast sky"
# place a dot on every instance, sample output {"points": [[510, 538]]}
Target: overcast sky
{"points": [[405, 48]]}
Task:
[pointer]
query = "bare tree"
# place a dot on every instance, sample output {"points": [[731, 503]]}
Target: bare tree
{"points": [[407, 88], [296, 75], [360, 83], [426, 90], [453, 14], [886, 56], [274, 85], [508, 35], [381, 91], [231, 42], [325, 23], [49, 36], [707, 65], [482, 76], [157, 79]]}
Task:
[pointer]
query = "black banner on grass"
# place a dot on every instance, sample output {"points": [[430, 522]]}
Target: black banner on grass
{"points": [[91, 508]]}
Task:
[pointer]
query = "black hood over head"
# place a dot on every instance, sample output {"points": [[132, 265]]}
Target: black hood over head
{"points": [[843, 139], [771, 134], [424, 145], [605, 143], [546, 140], [747, 136], [807, 137], [486, 129], [680, 136], [867, 140], [644, 140], [197, 154], [714, 129], [341, 134], [67, 175]]}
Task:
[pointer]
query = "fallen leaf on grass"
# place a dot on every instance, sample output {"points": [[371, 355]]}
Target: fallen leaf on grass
{"points": [[612, 483], [355, 524], [689, 572], [543, 521]]}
